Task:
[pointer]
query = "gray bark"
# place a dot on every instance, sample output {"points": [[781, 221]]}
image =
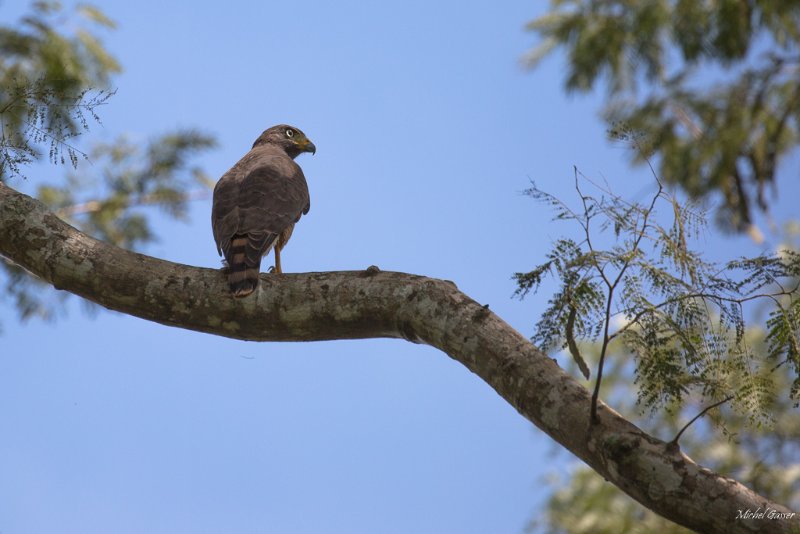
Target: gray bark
{"points": [[370, 304]]}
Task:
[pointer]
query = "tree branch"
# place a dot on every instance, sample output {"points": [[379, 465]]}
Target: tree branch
{"points": [[369, 304], [674, 441]]}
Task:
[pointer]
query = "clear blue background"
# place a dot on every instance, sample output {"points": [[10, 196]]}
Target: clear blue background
{"points": [[428, 128]]}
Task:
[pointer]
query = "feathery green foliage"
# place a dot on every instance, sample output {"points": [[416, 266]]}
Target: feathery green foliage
{"points": [[765, 459], [35, 114], [106, 199], [110, 199], [650, 295], [713, 88], [54, 75], [51, 84]]}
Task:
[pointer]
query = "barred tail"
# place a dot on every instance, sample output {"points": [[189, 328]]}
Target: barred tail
{"points": [[243, 268]]}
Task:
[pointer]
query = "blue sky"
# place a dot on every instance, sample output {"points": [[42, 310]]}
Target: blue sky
{"points": [[427, 128]]}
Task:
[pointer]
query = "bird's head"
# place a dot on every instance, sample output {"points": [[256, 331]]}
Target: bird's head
{"points": [[289, 138]]}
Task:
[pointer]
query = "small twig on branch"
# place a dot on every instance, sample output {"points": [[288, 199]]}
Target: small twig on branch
{"points": [[698, 416], [611, 288], [573, 346]]}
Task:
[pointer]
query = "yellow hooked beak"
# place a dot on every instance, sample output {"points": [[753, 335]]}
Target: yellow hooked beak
{"points": [[308, 146]]}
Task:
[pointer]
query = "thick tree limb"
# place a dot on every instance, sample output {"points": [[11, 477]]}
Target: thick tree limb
{"points": [[369, 304]]}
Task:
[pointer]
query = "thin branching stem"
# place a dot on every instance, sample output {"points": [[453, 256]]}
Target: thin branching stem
{"points": [[61, 140], [685, 317], [698, 416], [611, 287], [705, 296], [596, 392], [585, 223]]}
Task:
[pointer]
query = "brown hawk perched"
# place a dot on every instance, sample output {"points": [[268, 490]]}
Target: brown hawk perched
{"points": [[257, 203]]}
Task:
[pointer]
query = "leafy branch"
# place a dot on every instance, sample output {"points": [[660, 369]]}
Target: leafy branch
{"points": [[681, 317], [713, 84], [39, 113], [107, 199], [51, 63]]}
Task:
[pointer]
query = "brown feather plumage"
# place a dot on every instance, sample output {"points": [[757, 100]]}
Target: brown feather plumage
{"points": [[256, 204]]}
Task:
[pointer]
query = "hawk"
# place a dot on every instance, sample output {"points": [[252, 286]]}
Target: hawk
{"points": [[257, 203]]}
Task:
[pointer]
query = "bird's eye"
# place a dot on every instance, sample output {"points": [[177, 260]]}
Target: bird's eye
{"points": [[289, 133]]}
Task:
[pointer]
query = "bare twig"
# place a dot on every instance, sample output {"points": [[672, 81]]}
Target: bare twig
{"points": [[698, 416]]}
